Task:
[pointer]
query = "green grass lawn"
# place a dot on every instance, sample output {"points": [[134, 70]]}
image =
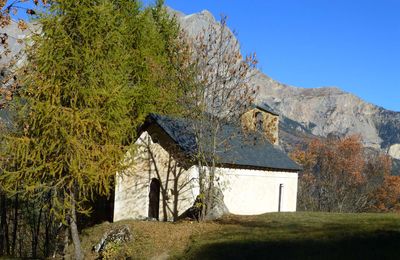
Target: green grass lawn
{"points": [[301, 236], [269, 236]]}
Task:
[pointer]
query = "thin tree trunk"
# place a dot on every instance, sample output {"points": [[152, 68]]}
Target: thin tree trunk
{"points": [[210, 190], [37, 233], [175, 212], [15, 226], [165, 190], [66, 240], [48, 225], [74, 230], [4, 238], [20, 245], [33, 230], [203, 192]]}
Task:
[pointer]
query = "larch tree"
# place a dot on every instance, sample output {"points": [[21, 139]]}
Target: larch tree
{"points": [[93, 73]]}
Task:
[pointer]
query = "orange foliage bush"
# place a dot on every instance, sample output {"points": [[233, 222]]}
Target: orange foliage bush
{"points": [[340, 176], [387, 197]]}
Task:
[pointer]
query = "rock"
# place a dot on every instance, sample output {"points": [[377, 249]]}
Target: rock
{"points": [[216, 211], [394, 151], [118, 236], [218, 208]]}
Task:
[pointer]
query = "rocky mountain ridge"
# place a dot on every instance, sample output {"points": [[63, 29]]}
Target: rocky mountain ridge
{"points": [[307, 112]]}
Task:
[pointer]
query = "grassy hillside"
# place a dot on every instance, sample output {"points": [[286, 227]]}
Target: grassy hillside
{"points": [[268, 236]]}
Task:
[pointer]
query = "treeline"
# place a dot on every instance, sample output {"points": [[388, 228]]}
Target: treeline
{"points": [[27, 227], [341, 176]]}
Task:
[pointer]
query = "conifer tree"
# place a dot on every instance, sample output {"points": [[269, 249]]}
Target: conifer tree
{"points": [[94, 72]]}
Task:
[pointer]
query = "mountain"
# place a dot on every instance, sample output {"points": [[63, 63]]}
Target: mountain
{"points": [[315, 112], [305, 112], [15, 37]]}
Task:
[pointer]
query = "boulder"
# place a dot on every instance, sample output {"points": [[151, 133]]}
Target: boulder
{"points": [[218, 207], [216, 211], [117, 235], [394, 151]]}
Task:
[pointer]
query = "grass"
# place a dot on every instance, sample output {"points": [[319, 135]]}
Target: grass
{"points": [[150, 238], [269, 236]]}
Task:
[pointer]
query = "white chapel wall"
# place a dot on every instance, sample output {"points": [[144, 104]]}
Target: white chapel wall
{"points": [[133, 186], [251, 192], [246, 192]]}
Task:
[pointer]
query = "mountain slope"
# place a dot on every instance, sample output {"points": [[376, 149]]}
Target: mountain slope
{"points": [[305, 112], [315, 111]]}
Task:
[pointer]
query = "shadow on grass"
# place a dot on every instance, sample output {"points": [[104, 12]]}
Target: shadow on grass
{"points": [[377, 245], [254, 223]]}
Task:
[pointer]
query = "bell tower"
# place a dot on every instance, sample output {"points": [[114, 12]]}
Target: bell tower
{"points": [[262, 119]]}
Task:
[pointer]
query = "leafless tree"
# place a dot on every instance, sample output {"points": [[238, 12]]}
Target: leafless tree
{"points": [[221, 95]]}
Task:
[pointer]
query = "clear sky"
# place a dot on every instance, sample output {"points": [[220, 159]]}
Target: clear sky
{"points": [[351, 44]]}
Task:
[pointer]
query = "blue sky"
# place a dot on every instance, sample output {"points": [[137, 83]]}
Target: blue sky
{"points": [[350, 44]]}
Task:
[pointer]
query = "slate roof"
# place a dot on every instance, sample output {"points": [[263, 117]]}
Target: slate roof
{"points": [[247, 150], [265, 107]]}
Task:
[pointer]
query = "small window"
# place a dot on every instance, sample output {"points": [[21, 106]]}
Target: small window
{"points": [[259, 121]]}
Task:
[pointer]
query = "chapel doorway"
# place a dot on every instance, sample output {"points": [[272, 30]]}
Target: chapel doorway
{"points": [[154, 199]]}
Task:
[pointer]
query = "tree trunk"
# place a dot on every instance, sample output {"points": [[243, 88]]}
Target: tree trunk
{"points": [[15, 226], [66, 241], [210, 189], [49, 229], [165, 191], [37, 233], [175, 212], [74, 230], [4, 239], [164, 205]]}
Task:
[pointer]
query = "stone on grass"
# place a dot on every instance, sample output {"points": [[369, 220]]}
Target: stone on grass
{"points": [[118, 235], [216, 211], [218, 207]]}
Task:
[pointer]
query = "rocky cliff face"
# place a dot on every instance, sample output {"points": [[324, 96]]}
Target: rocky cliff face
{"points": [[307, 112], [15, 37], [325, 111]]}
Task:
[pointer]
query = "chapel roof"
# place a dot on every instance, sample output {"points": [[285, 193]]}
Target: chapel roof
{"points": [[266, 108], [237, 148]]}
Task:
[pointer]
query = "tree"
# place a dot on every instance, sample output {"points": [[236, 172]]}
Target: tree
{"points": [[222, 93], [93, 74], [387, 197], [338, 175]]}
